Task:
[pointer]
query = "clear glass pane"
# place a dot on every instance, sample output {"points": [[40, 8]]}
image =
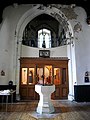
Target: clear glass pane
{"points": [[57, 76], [24, 76], [31, 76], [44, 37], [48, 74], [39, 75]]}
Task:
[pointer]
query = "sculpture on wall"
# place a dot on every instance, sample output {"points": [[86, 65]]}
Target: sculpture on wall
{"points": [[86, 76]]}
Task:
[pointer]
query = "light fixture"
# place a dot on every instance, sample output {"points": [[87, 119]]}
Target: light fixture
{"points": [[73, 5], [15, 5], [2, 73], [88, 20], [77, 27]]}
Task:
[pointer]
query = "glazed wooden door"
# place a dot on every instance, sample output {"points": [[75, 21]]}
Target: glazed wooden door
{"points": [[27, 82], [33, 70]]}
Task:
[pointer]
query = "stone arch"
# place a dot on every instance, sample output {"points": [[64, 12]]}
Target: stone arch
{"points": [[35, 11], [28, 16]]}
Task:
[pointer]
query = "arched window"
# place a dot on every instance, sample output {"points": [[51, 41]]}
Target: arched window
{"points": [[44, 38]]}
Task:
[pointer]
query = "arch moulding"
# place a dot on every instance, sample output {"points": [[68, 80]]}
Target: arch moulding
{"points": [[26, 18]]}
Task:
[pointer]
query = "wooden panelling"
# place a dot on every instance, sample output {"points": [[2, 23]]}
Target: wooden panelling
{"points": [[31, 92], [57, 92], [64, 92], [23, 92]]}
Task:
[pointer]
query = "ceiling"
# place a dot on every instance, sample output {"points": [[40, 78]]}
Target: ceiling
{"points": [[82, 3]]}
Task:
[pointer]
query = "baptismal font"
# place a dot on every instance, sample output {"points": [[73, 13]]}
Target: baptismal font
{"points": [[45, 88]]}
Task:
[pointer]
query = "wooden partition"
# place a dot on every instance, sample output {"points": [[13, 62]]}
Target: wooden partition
{"points": [[51, 70]]}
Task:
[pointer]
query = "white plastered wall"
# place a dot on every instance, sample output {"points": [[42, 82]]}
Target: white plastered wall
{"points": [[11, 29]]}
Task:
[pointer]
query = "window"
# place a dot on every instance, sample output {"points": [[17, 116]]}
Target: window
{"points": [[44, 38]]}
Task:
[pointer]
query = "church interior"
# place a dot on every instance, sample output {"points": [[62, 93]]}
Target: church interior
{"points": [[44, 60]]}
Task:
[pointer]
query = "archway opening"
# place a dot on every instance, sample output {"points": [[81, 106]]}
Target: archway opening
{"points": [[28, 18], [44, 28]]}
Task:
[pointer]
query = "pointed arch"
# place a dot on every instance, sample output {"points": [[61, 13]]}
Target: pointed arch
{"points": [[32, 13]]}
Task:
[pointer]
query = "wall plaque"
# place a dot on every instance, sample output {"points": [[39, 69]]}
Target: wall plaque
{"points": [[44, 53]]}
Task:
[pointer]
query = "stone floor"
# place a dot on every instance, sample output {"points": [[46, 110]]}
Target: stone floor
{"points": [[64, 110]]}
